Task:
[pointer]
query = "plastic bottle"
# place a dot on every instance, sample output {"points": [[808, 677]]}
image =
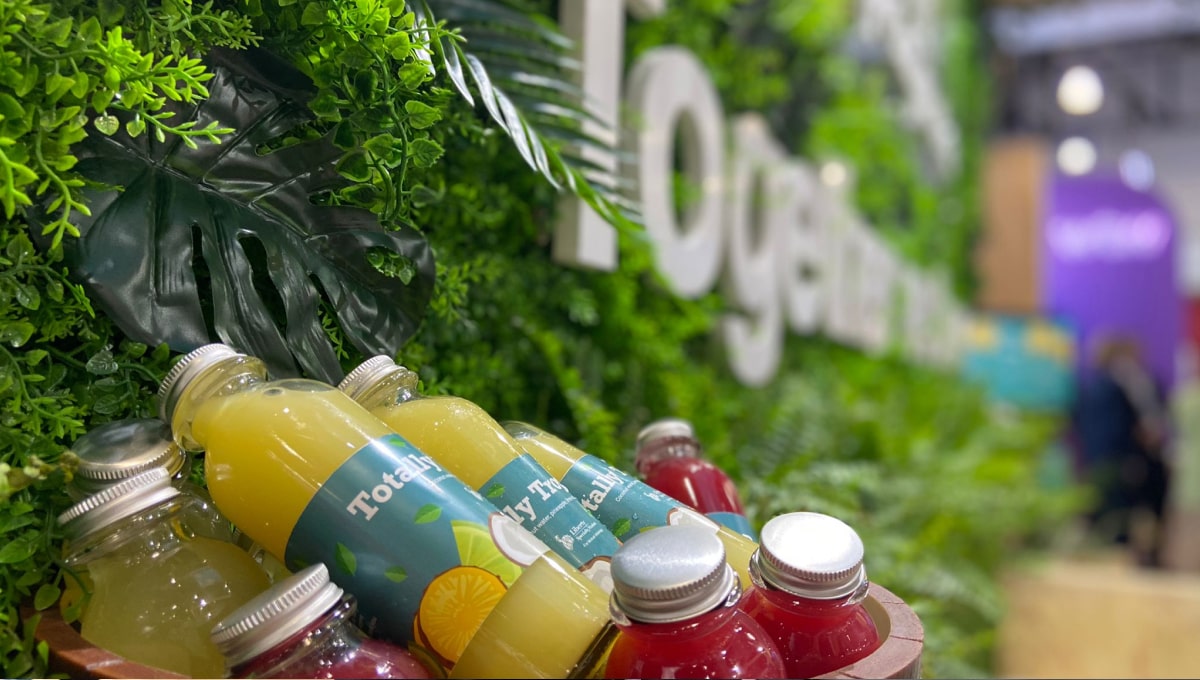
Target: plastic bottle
{"points": [[675, 602], [313, 476], [809, 584], [160, 568], [301, 628], [468, 442], [668, 458], [623, 504], [121, 449]]}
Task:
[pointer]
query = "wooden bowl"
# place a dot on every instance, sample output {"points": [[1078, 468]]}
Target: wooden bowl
{"points": [[898, 657]]}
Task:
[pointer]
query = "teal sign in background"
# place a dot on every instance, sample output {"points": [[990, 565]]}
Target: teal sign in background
{"points": [[1023, 361]]}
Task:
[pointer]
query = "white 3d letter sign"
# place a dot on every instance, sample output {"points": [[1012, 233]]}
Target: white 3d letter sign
{"points": [[789, 252]]}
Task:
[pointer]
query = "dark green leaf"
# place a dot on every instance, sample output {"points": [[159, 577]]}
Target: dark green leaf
{"points": [[314, 14], [395, 574], [354, 167], [269, 253], [345, 559], [428, 513], [29, 297], [413, 73], [16, 333]]}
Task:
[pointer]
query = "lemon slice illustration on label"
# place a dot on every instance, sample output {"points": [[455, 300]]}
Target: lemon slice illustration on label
{"points": [[477, 549], [454, 606], [515, 542]]}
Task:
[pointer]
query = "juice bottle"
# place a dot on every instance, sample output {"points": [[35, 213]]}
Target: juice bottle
{"points": [[121, 449], [809, 584], [314, 477], [675, 601], [623, 504], [160, 569], [668, 458], [301, 628], [468, 442]]}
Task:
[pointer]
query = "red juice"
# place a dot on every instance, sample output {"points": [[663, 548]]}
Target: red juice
{"points": [[674, 602], [809, 584], [725, 643], [301, 629], [668, 458]]}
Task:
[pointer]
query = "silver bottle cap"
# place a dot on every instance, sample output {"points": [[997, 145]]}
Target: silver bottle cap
{"points": [[118, 501], [671, 573], [369, 372], [811, 555], [275, 615], [664, 428], [121, 449], [185, 370]]}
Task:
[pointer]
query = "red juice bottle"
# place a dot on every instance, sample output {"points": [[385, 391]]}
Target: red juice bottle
{"points": [[668, 458], [301, 628], [674, 601], [809, 584]]}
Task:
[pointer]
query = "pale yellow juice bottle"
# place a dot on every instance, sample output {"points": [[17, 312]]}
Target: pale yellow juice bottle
{"points": [[312, 476], [468, 442], [623, 504]]}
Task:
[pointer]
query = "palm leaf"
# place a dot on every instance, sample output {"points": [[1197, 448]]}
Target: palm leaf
{"points": [[171, 220], [520, 71]]}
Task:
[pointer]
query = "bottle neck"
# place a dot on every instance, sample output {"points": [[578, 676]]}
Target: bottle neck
{"points": [[666, 448], [232, 375], [316, 644], [698, 626], [787, 599], [152, 531], [395, 387]]}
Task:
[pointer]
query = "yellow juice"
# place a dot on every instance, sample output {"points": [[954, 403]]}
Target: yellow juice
{"points": [[569, 637], [158, 608], [464, 439], [312, 476], [268, 452], [623, 504]]}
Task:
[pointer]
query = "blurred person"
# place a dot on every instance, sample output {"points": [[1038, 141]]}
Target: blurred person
{"points": [[1122, 423]]}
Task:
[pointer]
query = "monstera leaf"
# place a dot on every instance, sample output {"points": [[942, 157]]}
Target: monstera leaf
{"points": [[227, 238]]}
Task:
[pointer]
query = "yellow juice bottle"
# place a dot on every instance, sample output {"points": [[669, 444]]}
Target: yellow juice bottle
{"points": [[468, 442], [623, 504], [312, 476]]}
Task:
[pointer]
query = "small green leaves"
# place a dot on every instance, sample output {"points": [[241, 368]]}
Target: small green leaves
{"points": [[494, 491], [421, 115], [107, 124], [19, 549], [395, 574], [46, 595], [428, 513], [425, 152], [345, 559], [622, 527]]}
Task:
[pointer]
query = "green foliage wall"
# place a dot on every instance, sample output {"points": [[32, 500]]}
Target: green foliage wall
{"points": [[941, 485]]}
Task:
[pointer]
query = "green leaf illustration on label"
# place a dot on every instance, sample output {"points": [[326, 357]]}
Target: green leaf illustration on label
{"points": [[495, 491], [346, 559], [395, 574], [622, 526], [428, 513]]}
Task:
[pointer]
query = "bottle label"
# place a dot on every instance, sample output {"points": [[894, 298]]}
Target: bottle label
{"points": [[735, 521], [623, 504], [524, 491], [426, 556]]}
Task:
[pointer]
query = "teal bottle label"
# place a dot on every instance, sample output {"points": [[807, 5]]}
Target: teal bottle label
{"points": [[735, 521], [623, 504], [409, 540], [524, 491]]}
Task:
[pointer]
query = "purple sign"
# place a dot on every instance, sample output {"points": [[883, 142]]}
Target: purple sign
{"points": [[1108, 267]]}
